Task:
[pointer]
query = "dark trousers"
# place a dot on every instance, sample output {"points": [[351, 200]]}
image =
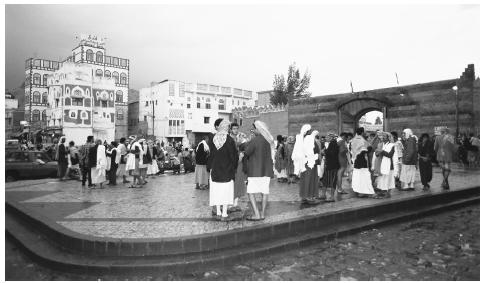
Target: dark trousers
{"points": [[425, 171], [61, 168], [86, 174], [112, 174]]}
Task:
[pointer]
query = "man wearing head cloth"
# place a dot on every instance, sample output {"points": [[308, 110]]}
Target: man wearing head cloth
{"points": [[409, 160], [260, 152], [445, 148]]}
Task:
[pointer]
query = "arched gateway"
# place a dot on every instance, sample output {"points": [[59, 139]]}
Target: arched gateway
{"points": [[350, 111]]}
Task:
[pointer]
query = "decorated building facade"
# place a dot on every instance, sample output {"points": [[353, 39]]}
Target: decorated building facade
{"points": [[90, 51]]}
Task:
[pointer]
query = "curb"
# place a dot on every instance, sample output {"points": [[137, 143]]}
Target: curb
{"points": [[280, 237]]}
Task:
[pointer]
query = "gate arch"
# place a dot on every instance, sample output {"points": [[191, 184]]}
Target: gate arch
{"points": [[350, 111]]}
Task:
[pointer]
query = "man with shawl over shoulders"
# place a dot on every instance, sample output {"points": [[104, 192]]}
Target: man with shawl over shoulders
{"points": [[409, 160], [259, 151], [222, 163]]}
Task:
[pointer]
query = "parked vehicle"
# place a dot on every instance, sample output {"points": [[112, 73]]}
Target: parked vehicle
{"points": [[12, 145], [28, 164]]}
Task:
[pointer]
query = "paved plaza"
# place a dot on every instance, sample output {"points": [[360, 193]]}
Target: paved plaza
{"points": [[169, 206]]}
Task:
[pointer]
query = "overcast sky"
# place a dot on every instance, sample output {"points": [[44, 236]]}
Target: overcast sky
{"points": [[244, 46]]}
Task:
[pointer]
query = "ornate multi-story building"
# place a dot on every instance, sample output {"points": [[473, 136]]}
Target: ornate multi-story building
{"points": [[180, 110], [92, 52], [82, 104]]}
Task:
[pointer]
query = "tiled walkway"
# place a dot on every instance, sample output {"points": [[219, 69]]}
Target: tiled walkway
{"points": [[169, 206]]}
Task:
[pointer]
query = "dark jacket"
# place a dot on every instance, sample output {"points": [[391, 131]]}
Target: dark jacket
{"points": [[223, 162], [410, 152], [332, 156], [201, 155], [92, 155], [259, 153], [62, 154], [426, 149]]}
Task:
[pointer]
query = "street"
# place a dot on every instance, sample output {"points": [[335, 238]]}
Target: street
{"points": [[439, 247]]}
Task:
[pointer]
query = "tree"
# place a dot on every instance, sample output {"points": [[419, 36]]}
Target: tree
{"points": [[294, 87]]}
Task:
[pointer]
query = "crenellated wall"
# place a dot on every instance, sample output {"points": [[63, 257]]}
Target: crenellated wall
{"points": [[420, 107]]}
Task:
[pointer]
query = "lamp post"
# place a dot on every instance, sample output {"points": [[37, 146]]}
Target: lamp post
{"points": [[455, 88]]}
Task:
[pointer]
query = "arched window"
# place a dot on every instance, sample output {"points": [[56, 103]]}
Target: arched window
{"points": [[123, 79], [118, 96], [77, 92], [44, 81], [115, 75], [89, 55], [67, 90], [67, 101], [36, 115], [99, 58], [221, 104], [44, 115], [44, 98], [36, 79], [98, 73], [36, 97], [107, 74]]}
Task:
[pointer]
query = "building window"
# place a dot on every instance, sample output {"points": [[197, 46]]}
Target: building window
{"points": [[77, 101], [123, 79], [104, 104], [87, 102], [44, 115], [67, 101], [38, 63], [99, 57], [118, 96], [36, 97], [120, 115], [73, 114], [207, 105], [115, 75], [108, 59], [171, 89], [115, 61], [84, 115], [89, 55], [67, 90], [198, 105], [36, 79], [88, 93], [107, 74], [44, 98], [123, 62], [221, 104], [44, 79], [207, 120], [36, 115], [98, 73], [241, 122], [188, 105]]}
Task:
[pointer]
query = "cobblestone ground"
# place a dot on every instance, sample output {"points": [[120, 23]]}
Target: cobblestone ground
{"points": [[439, 247]]}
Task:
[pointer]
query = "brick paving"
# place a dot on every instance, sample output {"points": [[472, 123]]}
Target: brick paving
{"points": [[169, 206]]}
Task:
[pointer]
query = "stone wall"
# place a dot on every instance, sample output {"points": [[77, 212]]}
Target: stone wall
{"points": [[421, 107], [276, 118]]}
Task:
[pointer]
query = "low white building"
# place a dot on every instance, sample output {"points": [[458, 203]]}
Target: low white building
{"points": [[182, 110], [81, 104]]}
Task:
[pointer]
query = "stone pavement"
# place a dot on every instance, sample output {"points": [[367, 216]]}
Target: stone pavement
{"points": [[169, 206]]}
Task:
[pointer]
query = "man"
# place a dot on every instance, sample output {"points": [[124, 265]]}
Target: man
{"points": [[72, 160], [122, 150], [343, 161], [240, 186], [445, 148], [84, 161], [399, 151], [409, 160], [62, 162], [260, 152], [474, 152]]}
